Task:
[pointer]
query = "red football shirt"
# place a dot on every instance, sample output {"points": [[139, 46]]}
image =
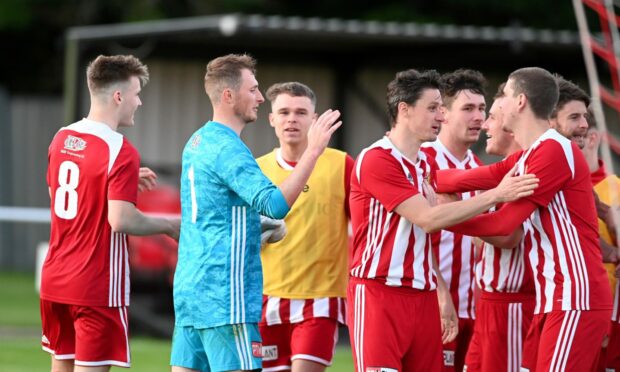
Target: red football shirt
{"points": [[455, 252], [87, 263], [387, 247], [559, 222]]}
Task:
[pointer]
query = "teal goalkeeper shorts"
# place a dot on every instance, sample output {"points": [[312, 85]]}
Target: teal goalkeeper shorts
{"points": [[225, 348]]}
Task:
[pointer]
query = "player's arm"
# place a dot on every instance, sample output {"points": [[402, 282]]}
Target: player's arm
{"points": [[124, 217], [551, 166], [609, 252], [319, 135], [246, 179], [348, 168], [449, 319], [482, 178], [433, 218], [505, 241], [511, 216]]}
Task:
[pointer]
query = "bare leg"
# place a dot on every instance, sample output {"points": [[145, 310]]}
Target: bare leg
{"points": [[65, 365], [183, 369], [302, 365], [91, 369]]}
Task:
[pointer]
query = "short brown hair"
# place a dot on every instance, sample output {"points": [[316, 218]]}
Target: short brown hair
{"points": [[408, 87], [225, 72], [293, 89], [461, 79], [500, 91], [569, 91], [540, 88], [105, 71]]}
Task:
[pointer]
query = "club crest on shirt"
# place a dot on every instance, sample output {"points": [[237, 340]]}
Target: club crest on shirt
{"points": [[74, 143], [196, 141]]}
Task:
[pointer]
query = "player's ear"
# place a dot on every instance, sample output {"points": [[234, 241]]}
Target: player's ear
{"points": [[521, 101], [228, 96], [271, 118], [117, 97], [403, 109]]}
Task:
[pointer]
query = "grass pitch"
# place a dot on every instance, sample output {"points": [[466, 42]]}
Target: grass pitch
{"points": [[20, 332]]}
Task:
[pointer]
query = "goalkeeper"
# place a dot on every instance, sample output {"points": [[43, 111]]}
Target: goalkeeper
{"points": [[305, 274]]}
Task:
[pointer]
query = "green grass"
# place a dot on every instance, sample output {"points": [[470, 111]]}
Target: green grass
{"points": [[20, 303], [20, 349]]}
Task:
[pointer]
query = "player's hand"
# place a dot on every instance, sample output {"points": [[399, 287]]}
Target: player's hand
{"points": [[322, 129], [148, 179], [429, 193], [515, 187], [175, 228], [609, 252], [449, 320], [272, 230]]}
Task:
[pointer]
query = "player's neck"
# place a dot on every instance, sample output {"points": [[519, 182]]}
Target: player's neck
{"points": [[514, 147], [405, 142], [103, 115], [529, 130], [457, 148], [229, 120], [292, 153]]}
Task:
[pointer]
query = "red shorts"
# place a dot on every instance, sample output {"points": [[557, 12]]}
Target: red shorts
{"points": [[502, 323], [613, 349], [565, 340], [454, 352], [313, 339], [393, 328], [93, 336]]}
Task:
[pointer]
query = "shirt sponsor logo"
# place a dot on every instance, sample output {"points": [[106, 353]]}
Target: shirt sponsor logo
{"points": [[74, 143], [257, 349], [270, 352], [448, 358], [380, 369]]}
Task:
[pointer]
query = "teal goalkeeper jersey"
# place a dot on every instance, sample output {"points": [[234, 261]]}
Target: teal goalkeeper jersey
{"points": [[218, 279]]}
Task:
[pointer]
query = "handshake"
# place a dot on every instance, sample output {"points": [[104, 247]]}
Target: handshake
{"points": [[272, 231]]}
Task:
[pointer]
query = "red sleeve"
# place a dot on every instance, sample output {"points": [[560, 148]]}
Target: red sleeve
{"points": [[548, 162], [481, 178], [348, 168], [511, 214], [382, 176], [123, 178]]}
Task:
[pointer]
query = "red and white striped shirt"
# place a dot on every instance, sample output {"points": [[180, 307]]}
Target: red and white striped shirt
{"points": [[455, 252], [278, 310], [504, 270], [387, 247], [87, 263], [561, 234]]}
